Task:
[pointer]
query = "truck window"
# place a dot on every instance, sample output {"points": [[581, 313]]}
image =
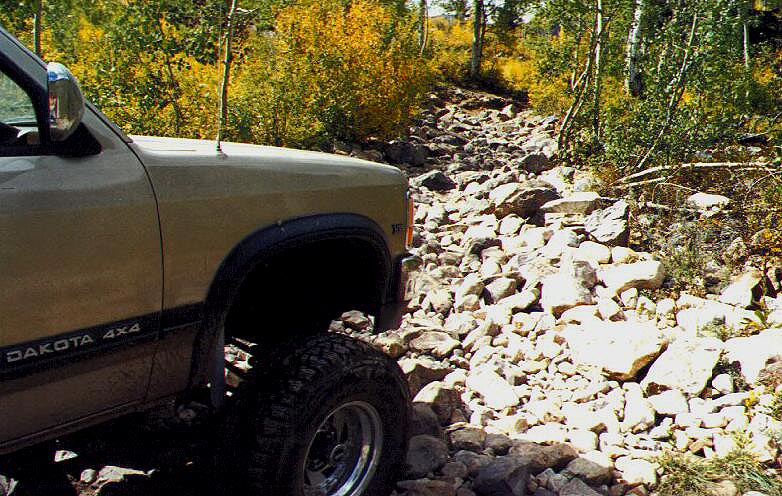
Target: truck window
{"points": [[18, 125]]}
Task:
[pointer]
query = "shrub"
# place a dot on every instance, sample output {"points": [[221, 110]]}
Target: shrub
{"points": [[688, 475], [329, 71]]}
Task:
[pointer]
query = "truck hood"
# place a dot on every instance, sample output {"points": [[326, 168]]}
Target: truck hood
{"points": [[194, 152]]}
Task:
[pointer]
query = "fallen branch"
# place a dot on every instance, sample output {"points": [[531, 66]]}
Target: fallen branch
{"points": [[760, 166], [665, 208], [641, 183]]}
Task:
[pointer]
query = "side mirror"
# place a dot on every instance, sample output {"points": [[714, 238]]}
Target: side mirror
{"points": [[66, 102]]}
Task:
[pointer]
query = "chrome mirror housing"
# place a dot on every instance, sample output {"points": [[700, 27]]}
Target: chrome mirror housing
{"points": [[66, 102]]}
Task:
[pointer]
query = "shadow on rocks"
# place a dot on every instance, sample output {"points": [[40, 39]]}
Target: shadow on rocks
{"points": [[137, 456]]}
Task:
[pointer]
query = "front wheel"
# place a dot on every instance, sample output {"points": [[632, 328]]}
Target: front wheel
{"points": [[327, 416]]}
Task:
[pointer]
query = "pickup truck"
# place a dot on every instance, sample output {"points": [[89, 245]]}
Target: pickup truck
{"points": [[129, 265]]}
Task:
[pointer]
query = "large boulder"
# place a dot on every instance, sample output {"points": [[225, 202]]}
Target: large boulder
{"points": [[754, 352], [563, 291], [695, 314], [442, 398], [538, 457], [639, 414], [437, 343], [435, 180], [618, 349], [425, 454], [522, 199], [577, 487], [577, 203], [536, 163], [686, 365], [421, 371], [648, 274], [593, 467], [503, 476], [403, 152], [740, 292], [609, 225], [495, 390]]}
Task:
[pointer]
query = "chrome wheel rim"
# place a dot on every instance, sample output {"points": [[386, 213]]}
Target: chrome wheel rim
{"points": [[344, 452]]}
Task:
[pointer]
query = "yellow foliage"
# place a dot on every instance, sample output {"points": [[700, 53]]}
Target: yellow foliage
{"points": [[348, 72]]}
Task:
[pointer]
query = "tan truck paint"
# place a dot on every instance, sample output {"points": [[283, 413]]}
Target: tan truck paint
{"points": [[209, 201], [79, 247]]}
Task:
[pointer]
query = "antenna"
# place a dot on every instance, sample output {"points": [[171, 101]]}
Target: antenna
{"points": [[222, 107]]}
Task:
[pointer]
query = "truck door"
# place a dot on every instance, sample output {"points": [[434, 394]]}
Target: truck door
{"points": [[80, 269]]}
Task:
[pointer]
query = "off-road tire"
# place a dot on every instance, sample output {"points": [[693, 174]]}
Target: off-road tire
{"points": [[269, 432]]}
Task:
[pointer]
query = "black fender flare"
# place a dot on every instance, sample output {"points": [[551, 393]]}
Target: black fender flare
{"points": [[268, 242]]}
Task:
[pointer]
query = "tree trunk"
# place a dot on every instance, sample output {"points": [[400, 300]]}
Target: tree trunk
{"points": [[598, 67], [423, 32], [746, 44], [633, 77], [223, 103], [37, 27], [477, 39]]}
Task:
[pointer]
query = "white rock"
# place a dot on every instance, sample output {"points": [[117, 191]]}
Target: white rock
{"points": [[752, 352], [686, 365], [511, 224], [545, 410], [681, 440], [723, 383], [707, 202], [662, 431], [496, 392], [499, 288], [666, 308], [581, 271], [438, 343], [723, 444], [639, 413], [580, 314], [583, 440], [546, 433], [561, 291], [629, 297], [697, 313], [639, 275], [739, 292], [760, 430], [609, 225], [561, 242], [589, 250], [714, 420], [535, 237], [636, 472], [577, 203], [520, 301], [512, 425], [581, 416], [671, 402], [619, 349], [472, 284], [687, 419], [609, 309], [645, 306]]}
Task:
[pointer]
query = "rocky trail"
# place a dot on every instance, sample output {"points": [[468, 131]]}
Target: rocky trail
{"points": [[541, 357]]}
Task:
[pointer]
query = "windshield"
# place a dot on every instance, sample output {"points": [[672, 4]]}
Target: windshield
{"points": [[15, 106]]}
